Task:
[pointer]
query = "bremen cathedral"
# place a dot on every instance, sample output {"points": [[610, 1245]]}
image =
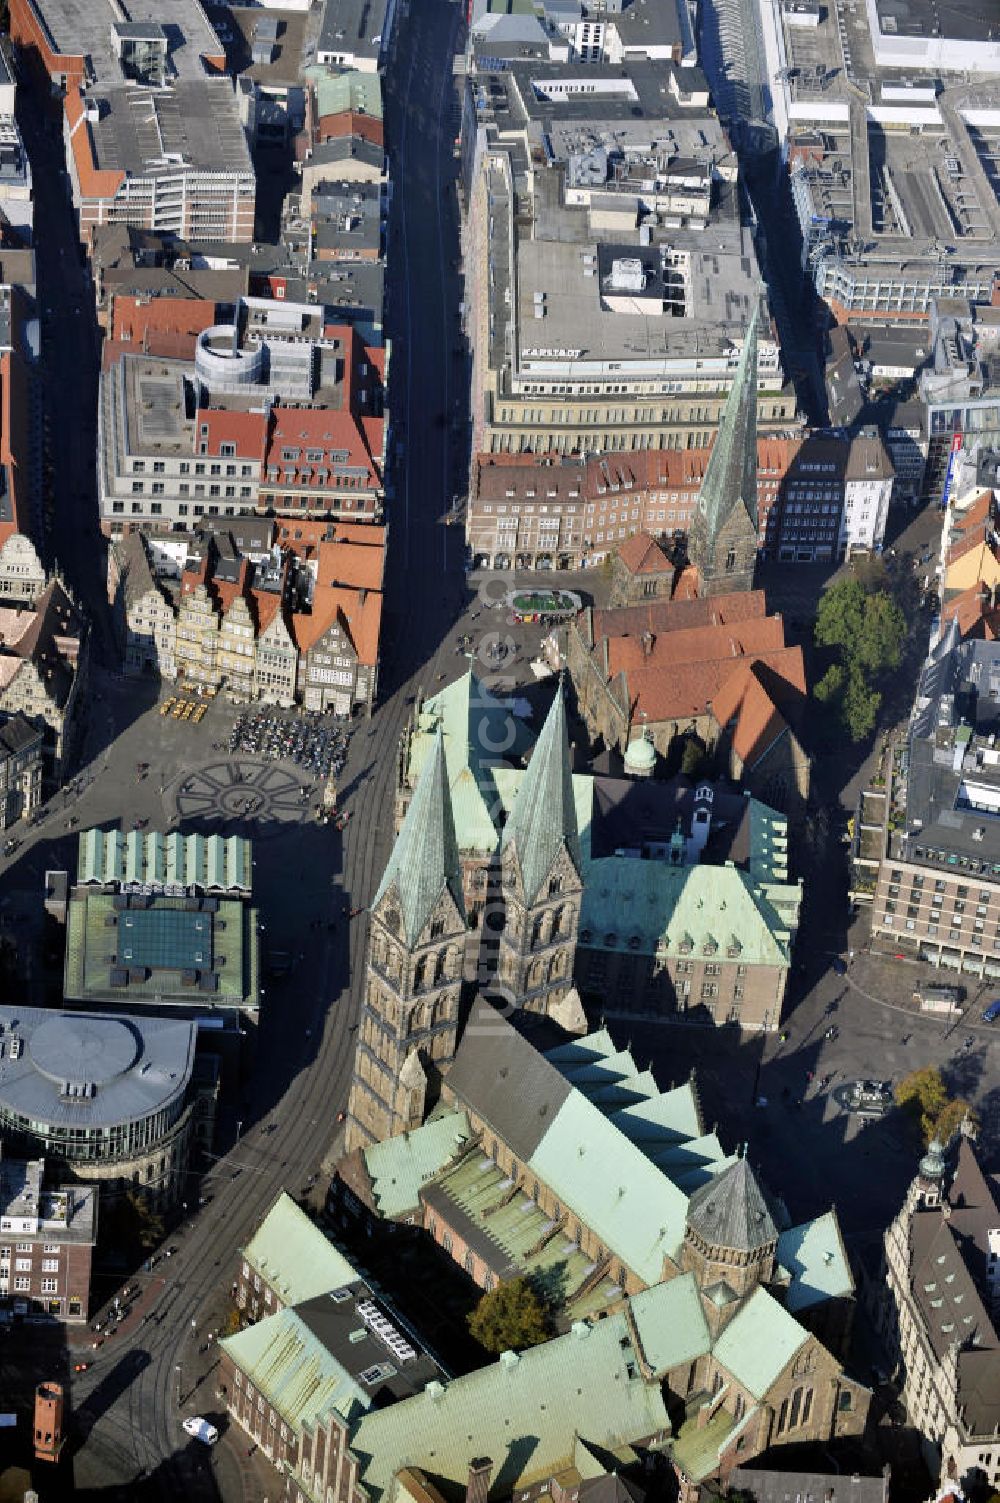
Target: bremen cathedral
{"points": [[415, 962], [530, 863]]}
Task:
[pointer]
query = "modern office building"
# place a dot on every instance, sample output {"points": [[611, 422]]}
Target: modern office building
{"points": [[278, 413], [356, 34], [107, 1099], [151, 128], [617, 324]]}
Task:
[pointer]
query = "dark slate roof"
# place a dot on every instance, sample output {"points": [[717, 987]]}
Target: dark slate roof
{"points": [[731, 1210], [543, 820], [16, 732], [424, 860], [609, 1488], [808, 1487], [499, 1076]]}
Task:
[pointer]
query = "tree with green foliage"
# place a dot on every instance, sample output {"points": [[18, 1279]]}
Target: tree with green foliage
{"points": [[866, 628], [924, 1095], [510, 1317]]}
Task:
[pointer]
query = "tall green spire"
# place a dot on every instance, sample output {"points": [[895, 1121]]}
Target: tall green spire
{"points": [[424, 860], [731, 475], [543, 819]]}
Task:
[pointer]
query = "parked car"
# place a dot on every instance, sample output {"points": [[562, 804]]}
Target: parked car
{"points": [[201, 1430], [992, 1012]]}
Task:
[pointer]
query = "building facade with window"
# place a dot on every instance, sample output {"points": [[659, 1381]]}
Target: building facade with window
{"points": [[936, 1304], [278, 414], [47, 1238], [937, 897]]}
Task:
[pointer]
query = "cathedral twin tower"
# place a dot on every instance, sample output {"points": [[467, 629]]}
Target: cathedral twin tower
{"points": [[415, 962]]}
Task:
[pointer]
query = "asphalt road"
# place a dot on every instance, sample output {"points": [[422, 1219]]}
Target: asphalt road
{"points": [[127, 1405], [72, 539]]}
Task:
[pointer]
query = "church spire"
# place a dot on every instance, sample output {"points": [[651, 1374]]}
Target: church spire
{"points": [[424, 860], [731, 474], [722, 541], [542, 822]]}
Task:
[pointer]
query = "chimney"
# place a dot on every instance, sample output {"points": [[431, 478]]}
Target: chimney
{"points": [[478, 1486]]}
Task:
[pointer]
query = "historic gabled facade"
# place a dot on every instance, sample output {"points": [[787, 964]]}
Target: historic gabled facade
{"points": [[722, 542], [416, 949]]}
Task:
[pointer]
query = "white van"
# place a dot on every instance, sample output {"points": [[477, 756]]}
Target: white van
{"points": [[201, 1429]]}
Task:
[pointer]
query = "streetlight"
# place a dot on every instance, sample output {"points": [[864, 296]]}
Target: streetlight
{"points": [[177, 1370], [239, 1129]]}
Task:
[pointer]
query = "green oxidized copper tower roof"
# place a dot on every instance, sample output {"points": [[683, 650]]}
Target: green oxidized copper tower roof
{"points": [[731, 473], [424, 860], [543, 819]]}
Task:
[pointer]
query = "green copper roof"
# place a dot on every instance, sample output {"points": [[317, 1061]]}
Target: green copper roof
{"points": [[294, 1371], [759, 1343], [635, 1210], [424, 860], [526, 1411], [667, 907], [336, 93], [671, 1324], [399, 1166], [731, 474], [210, 862], [813, 1254], [481, 734], [543, 820], [292, 1254]]}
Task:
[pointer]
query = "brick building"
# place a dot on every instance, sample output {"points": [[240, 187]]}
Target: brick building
{"points": [[525, 510], [717, 671], [47, 1238]]}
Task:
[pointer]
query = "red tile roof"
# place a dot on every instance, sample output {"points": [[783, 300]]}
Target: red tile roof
{"points": [[342, 563], [686, 690], [167, 326], [350, 123], [675, 615], [359, 612], [642, 554], [746, 704], [247, 430], [665, 651]]}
